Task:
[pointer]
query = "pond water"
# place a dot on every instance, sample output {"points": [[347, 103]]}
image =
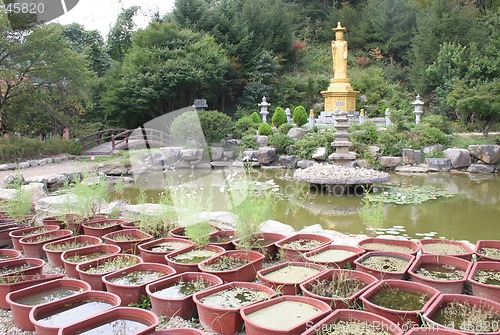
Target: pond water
{"points": [[472, 214]]}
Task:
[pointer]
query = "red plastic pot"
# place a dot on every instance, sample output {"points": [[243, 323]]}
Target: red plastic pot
{"points": [[179, 331], [75, 222], [467, 254], [432, 331], [101, 250], [54, 256], [445, 286], [381, 274], [34, 266], [245, 272], [225, 321], [132, 293], [53, 221], [296, 255], [190, 267], [445, 299], [70, 310], [148, 320], [402, 318], [223, 239], [294, 323], [268, 245], [339, 302], [483, 290], [178, 232], [391, 244], [335, 262], [21, 309], [101, 227], [149, 255], [494, 244], [171, 306], [18, 234], [290, 286], [134, 238], [33, 245], [95, 279], [9, 254], [365, 318], [5, 230], [15, 283]]}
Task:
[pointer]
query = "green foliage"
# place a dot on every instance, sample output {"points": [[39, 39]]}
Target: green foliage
{"points": [[435, 154], [265, 129], [243, 126], [280, 142], [158, 222], [305, 147], [199, 233], [89, 194], [20, 205], [279, 117], [256, 118], [437, 121], [365, 134], [202, 127], [215, 125], [299, 116], [285, 128], [144, 304], [392, 142], [119, 39], [249, 141], [458, 141], [407, 194], [423, 135], [22, 149], [372, 213]]}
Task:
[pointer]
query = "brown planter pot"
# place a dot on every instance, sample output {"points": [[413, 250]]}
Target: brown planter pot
{"points": [[28, 231], [16, 283], [132, 293], [178, 232], [225, 321], [432, 331], [493, 244], [69, 310], [147, 319], [22, 301], [33, 245], [296, 255], [173, 306], [390, 244], [291, 286], [75, 222], [54, 256], [403, 318], [24, 266], [466, 254], [365, 318], [266, 244], [484, 290], [223, 239], [381, 274], [101, 227], [152, 256], [339, 302], [246, 272], [5, 230], [9, 254], [53, 221], [294, 322], [95, 279], [99, 251], [179, 331], [445, 286], [190, 267], [346, 255], [134, 238]]}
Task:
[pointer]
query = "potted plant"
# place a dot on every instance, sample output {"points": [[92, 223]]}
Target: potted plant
{"points": [[265, 243], [234, 265], [402, 302], [286, 277], [33, 245], [71, 258], [155, 250], [28, 231], [446, 273], [127, 239], [20, 207], [295, 313], [223, 239], [101, 227], [179, 331], [390, 244], [126, 320], [447, 248], [9, 254], [54, 250], [173, 296], [488, 250], [334, 255], [218, 307], [385, 264], [22, 301], [484, 280], [178, 232], [5, 230], [48, 318], [130, 283], [431, 331], [22, 266], [187, 259], [339, 288], [11, 283], [293, 247], [53, 221]]}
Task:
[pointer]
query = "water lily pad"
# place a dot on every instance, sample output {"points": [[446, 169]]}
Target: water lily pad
{"points": [[398, 227], [407, 194]]}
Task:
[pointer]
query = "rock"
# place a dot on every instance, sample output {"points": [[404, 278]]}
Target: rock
{"points": [[297, 132], [412, 169], [412, 157], [37, 190], [325, 174], [220, 164], [228, 155], [374, 150], [182, 165], [288, 161], [488, 153], [171, 154], [191, 154], [262, 141], [217, 153], [6, 167], [24, 165], [304, 163], [223, 220], [111, 208], [459, 157], [57, 159], [203, 166], [438, 164], [273, 226], [364, 163], [14, 179], [434, 147], [7, 193], [315, 228], [319, 154], [112, 170], [37, 180], [389, 161], [481, 168], [34, 162], [266, 155], [249, 155], [56, 203]]}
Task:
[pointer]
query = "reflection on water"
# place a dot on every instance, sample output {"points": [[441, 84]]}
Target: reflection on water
{"points": [[473, 214]]}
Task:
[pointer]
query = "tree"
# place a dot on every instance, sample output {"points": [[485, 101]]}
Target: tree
{"points": [[279, 117], [299, 116], [119, 38]]}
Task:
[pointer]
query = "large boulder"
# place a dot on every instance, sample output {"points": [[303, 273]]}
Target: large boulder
{"points": [[266, 155], [297, 132], [217, 153], [488, 153], [272, 226], [374, 150], [191, 154], [481, 168], [434, 147], [459, 157], [6, 167], [249, 155], [319, 154], [37, 190], [304, 163], [438, 164], [389, 161], [412, 157], [262, 141], [288, 161], [14, 179]]}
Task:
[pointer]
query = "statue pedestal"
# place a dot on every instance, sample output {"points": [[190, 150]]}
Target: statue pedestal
{"points": [[340, 95]]}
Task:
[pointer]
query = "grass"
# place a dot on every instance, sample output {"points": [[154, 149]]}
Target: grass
{"points": [[21, 149]]}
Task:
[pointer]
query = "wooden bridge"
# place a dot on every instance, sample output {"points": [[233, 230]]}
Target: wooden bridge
{"points": [[104, 142]]}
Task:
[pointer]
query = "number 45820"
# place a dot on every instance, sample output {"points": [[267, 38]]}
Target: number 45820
{"points": [[25, 8]]}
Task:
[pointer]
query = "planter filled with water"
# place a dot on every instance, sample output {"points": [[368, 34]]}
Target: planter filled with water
{"points": [[390, 244], [292, 248], [54, 250], [18, 234], [71, 258], [334, 255], [187, 259], [33, 245], [447, 248], [16, 282], [127, 239], [265, 243], [385, 264], [484, 279], [156, 250], [488, 250], [234, 265]]}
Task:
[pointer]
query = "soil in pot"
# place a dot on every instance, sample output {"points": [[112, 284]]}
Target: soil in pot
{"points": [[292, 274], [332, 256], [14, 269], [352, 328], [113, 264], [489, 252], [400, 300], [339, 285], [74, 243], [303, 244], [440, 272], [385, 263], [488, 277], [226, 263], [168, 246], [194, 256], [234, 297], [182, 289], [138, 277], [387, 247]]}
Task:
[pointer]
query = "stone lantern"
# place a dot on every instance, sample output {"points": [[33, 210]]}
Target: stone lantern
{"points": [[419, 108], [288, 113], [264, 105]]}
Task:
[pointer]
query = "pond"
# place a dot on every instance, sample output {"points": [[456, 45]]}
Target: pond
{"points": [[472, 214]]}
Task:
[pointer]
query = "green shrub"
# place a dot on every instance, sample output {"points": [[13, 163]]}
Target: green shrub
{"points": [[243, 126], [279, 117], [424, 135], [214, 127], [280, 142], [285, 128], [306, 146], [435, 154], [365, 134], [437, 121], [463, 142], [265, 129], [299, 116], [22, 149], [256, 118], [392, 142], [249, 141]]}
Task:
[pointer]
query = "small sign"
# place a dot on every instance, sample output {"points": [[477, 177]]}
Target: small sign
{"points": [[339, 103]]}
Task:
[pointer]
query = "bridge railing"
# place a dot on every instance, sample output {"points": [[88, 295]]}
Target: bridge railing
{"points": [[124, 138], [99, 137]]}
